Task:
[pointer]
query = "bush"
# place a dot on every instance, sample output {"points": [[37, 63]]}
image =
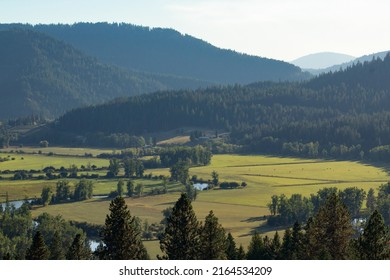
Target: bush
{"points": [[229, 185]]}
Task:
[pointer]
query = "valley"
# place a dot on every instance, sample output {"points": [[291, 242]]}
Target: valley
{"points": [[162, 145], [241, 211]]}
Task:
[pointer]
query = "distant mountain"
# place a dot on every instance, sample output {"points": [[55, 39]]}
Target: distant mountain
{"points": [[41, 75], [343, 66], [321, 60], [166, 51]]}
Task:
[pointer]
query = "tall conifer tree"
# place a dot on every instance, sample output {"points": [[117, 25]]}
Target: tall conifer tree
{"points": [[231, 248], [374, 242], [79, 249], [256, 249], [121, 236], [56, 250], [181, 239], [38, 249], [213, 239], [332, 230]]}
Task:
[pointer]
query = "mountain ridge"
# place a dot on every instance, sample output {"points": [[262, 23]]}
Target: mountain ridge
{"points": [[321, 60], [43, 76], [161, 50]]}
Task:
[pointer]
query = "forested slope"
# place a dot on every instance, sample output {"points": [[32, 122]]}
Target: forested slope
{"points": [[41, 75], [340, 118], [167, 52]]}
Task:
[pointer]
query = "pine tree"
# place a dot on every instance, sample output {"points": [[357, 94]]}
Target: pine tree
{"points": [[38, 249], [286, 251], [256, 249], [231, 249], [374, 242], [310, 244], [241, 255], [56, 250], [79, 250], [268, 254], [297, 240], [275, 247], [121, 236], [181, 240], [213, 239], [332, 230]]}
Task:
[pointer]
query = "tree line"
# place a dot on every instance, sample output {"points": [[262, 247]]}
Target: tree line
{"points": [[333, 119], [326, 235], [46, 237], [288, 210]]}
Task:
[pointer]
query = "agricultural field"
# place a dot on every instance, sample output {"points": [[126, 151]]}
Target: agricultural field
{"points": [[40, 161], [266, 176], [241, 211], [57, 150]]}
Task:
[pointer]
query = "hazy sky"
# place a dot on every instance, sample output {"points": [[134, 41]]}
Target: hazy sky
{"points": [[281, 29]]}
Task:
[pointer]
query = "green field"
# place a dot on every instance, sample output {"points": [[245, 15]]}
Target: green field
{"points": [[241, 211], [58, 150], [40, 161], [266, 176]]}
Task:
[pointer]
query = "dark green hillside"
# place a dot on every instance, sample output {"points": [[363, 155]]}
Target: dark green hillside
{"points": [[374, 75], [338, 120], [166, 51], [40, 75]]}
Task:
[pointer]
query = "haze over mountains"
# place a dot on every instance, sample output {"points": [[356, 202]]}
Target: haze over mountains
{"points": [[85, 64], [166, 51], [325, 62], [321, 60], [44, 76], [50, 69]]}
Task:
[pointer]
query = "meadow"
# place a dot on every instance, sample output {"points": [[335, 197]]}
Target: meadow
{"points": [[40, 161], [67, 151], [241, 211]]}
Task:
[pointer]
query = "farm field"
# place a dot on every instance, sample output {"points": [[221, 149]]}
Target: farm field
{"points": [[58, 150], [242, 210], [266, 176], [40, 161]]}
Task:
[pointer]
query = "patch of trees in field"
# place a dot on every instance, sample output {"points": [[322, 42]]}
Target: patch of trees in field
{"points": [[64, 192], [286, 211]]}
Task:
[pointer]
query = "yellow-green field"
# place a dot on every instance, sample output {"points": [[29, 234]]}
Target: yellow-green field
{"points": [[59, 150], [178, 140], [241, 211], [39, 161], [266, 176]]}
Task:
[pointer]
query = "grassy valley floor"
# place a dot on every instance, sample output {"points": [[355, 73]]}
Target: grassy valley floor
{"points": [[241, 211]]}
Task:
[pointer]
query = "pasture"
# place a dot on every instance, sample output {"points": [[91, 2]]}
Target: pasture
{"points": [[242, 210], [40, 161], [58, 150]]}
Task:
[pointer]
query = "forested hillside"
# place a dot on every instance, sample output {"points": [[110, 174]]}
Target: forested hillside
{"points": [[166, 51], [339, 115], [40, 75]]}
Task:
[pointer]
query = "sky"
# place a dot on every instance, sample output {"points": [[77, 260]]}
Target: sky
{"points": [[279, 29]]}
